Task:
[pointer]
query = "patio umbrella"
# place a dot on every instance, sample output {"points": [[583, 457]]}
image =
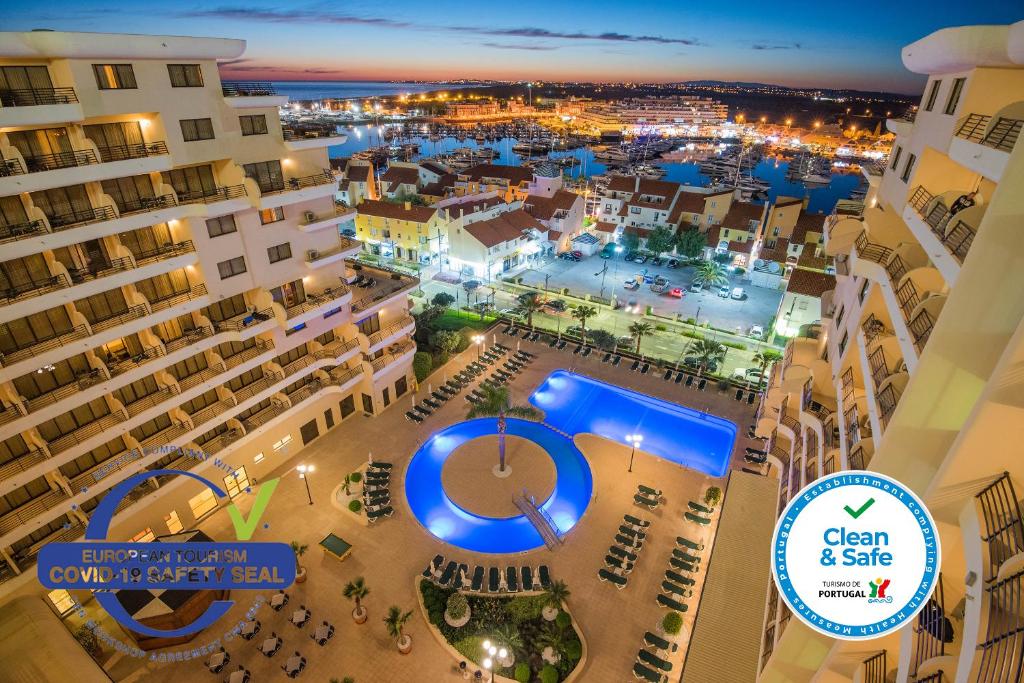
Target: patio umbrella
{"points": [[370, 457]]}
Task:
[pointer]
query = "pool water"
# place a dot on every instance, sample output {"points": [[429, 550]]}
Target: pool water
{"points": [[573, 404]]}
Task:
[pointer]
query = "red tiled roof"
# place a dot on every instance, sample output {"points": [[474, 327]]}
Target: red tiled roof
{"points": [[787, 201], [776, 253], [516, 175], [690, 202], [604, 226], [504, 227], [434, 167], [714, 234], [810, 283], [809, 260], [359, 172], [660, 188], [400, 175], [465, 208], [439, 188], [740, 214], [807, 222], [417, 214], [741, 247], [544, 208]]}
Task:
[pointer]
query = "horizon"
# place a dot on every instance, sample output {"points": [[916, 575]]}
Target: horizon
{"points": [[656, 43]]}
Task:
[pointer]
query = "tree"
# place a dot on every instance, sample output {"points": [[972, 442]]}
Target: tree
{"points": [[552, 636], [711, 273], [630, 240], [659, 240], [708, 352], [442, 300], [498, 401], [446, 342], [356, 590], [713, 496], [555, 594], [582, 313], [395, 622], [765, 359], [299, 549], [530, 303], [639, 329], [509, 636], [691, 242], [422, 364], [602, 339]]}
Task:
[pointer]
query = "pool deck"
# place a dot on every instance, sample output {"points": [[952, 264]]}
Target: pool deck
{"points": [[391, 552]]}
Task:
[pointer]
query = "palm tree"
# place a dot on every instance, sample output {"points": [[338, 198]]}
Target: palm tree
{"points": [[508, 635], [708, 352], [556, 594], [299, 549], [356, 590], [711, 273], [531, 303], [764, 360], [554, 637], [638, 330], [498, 401], [581, 313], [395, 622]]}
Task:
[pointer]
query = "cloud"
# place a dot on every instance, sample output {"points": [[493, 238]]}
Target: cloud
{"points": [[519, 46], [291, 16], [282, 70], [777, 46], [533, 32]]}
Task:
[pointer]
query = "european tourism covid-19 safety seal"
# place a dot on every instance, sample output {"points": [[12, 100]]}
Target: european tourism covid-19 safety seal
{"points": [[856, 555]]}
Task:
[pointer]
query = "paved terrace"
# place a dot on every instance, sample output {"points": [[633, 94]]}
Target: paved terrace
{"points": [[391, 553]]}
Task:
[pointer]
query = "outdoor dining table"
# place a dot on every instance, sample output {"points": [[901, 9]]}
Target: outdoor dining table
{"points": [[217, 659], [278, 599], [238, 676], [299, 616], [268, 645], [293, 664], [249, 629], [322, 632]]}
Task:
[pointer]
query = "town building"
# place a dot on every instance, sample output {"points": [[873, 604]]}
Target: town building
{"points": [[510, 182], [355, 181], [175, 290], [488, 238], [645, 115], [913, 371], [401, 180], [399, 230]]}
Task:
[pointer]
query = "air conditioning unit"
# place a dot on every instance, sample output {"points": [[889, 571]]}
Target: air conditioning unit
{"points": [[312, 254], [309, 216]]}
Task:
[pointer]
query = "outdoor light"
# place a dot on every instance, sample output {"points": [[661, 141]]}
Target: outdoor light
{"points": [[635, 440], [304, 472], [478, 339], [487, 645]]}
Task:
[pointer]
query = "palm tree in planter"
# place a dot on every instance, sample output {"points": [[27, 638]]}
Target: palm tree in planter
{"points": [[555, 596], [356, 590], [508, 636], [708, 352], [711, 273], [552, 638], [395, 622], [639, 329], [299, 549], [764, 360], [584, 313], [530, 303], [498, 401]]}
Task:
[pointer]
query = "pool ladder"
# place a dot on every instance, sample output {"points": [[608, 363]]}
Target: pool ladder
{"points": [[540, 520]]}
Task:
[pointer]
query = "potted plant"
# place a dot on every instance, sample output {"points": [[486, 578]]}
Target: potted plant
{"points": [[554, 595], [86, 637], [356, 590], [395, 622], [457, 613], [672, 624], [299, 549], [713, 496]]}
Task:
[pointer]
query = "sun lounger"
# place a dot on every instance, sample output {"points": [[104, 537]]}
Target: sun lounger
{"points": [[473, 399], [687, 543], [676, 577], [668, 375], [645, 501], [439, 396], [493, 580], [634, 366], [685, 556], [618, 563], [629, 542], [448, 574], [648, 491], [579, 347], [623, 553], [739, 395], [513, 333], [423, 411], [477, 582], [527, 576], [645, 368], [544, 576], [669, 588], [460, 576], [616, 361], [696, 518], [656, 641], [447, 391], [413, 417], [636, 521], [654, 660], [632, 533], [750, 398], [374, 515], [605, 575], [681, 565], [586, 352], [642, 673], [679, 377], [377, 477], [561, 344], [508, 330], [432, 403], [432, 568], [607, 357], [512, 579], [689, 380], [499, 346], [554, 340], [702, 384], [526, 353], [533, 337], [671, 603]]}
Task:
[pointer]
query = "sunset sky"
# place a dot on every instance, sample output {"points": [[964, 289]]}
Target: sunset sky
{"points": [[853, 45]]}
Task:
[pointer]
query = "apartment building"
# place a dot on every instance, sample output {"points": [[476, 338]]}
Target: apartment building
{"points": [[494, 239], [670, 115], [174, 289], [402, 230], [914, 371]]}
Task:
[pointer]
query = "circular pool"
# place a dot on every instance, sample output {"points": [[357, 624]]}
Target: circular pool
{"points": [[462, 527]]}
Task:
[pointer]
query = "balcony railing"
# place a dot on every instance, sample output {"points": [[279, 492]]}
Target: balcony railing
{"points": [[257, 420], [201, 377], [873, 328], [34, 288], [250, 390], [1002, 135], [188, 338], [21, 464], [211, 411], [58, 160], [163, 252], [312, 386], [381, 294], [1002, 650], [17, 231], [36, 347], [240, 322], [1001, 527], [24, 514], [341, 376], [134, 313], [325, 177], [178, 298], [908, 298], [127, 363], [887, 400], [958, 238], [10, 167], [336, 348], [932, 632], [871, 251], [261, 346], [879, 368], [314, 301], [136, 150], [874, 668], [921, 328], [99, 269], [76, 217], [292, 133], [85, 432], [143, 204], [381, 335], [345, 244], [150, 400], [248, 89], [219, 443], [215, 194], [32, 97]]}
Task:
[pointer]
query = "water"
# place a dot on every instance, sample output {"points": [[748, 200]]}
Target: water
{"points": [[320, 90], [573, 404], [822, 199]]}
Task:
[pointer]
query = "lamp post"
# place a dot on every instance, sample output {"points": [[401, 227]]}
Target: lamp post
{"points": [[492, 652], [304, 472], [635, 440], [478, 339]]}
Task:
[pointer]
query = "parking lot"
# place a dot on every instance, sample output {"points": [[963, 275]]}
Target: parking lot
{"points": [[757, 307]]}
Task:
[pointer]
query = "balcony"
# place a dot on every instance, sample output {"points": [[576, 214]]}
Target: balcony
{"points": [[1002, 648], [34, 288], [386, 334], [247, 94], [228, 198], [196, 297], [297, 189], [27, 512], [86, 432], [247, 392], [312, 222], [874, 669], [300, 138], [312, 386], [381, 291], [188, 338], [77, 217], [1002, 529], [344, 378], [164, 252], [73, 167], [10, 232], [346, 248], [257, 420], [317, 304], [219, 443], [954, 232], [202, 377], [23, 463], [40, 346], [38, 106], [261, 347], [887, 399], [929, 638], [393, 354], [983, 142], [337, 350], [128, 363], [136, 408], [201, 417]]}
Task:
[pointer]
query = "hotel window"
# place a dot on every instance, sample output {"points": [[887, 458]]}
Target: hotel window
{"points": [[274, 215], [202, 503], [144, 536], [231, 267], [279, 252], [222, 225], [954, 95], [258, 458], [329, 418], [196, 129], [267, 174], [236, 483], [62, 601], [933, 94], [114, 76], [863, 290], [173, 523], [282, 443], [253, 124], [843, 341], [185, 75], [909, 168], [347, 406], [896, 158]]}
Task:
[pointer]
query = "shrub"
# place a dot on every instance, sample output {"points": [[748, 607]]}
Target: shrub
{"points": [[443, 299], [525, 608], [690, 321], [548, 674], [355, 477], [355, 505], [563, 620], [86, 637], [672, 623], [523, 672], [739, 271], [692, 335], [713, 496], [735, 345], [660, 328], [573, 650], [422, 364], [457, 606]]}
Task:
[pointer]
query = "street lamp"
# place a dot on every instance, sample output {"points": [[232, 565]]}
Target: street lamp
{"points": [[478, 339], [492, 652], [304, 472], [635, 440]]}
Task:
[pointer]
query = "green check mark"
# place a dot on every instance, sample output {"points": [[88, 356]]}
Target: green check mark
{"points": [[859, 511]]}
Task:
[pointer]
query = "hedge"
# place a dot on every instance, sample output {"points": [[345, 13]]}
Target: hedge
{"points": [[422, 364]]}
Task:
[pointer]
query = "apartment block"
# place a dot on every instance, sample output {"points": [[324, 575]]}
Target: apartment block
{"points": [[174, 288], [914, 370]]}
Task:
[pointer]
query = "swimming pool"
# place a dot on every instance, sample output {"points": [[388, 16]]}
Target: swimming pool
{"points": [[579, 404], [443, 518]]}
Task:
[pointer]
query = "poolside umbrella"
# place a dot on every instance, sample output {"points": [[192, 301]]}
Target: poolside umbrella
{"points": [[370, 457]]}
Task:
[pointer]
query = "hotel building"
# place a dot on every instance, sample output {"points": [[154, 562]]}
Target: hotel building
{"points": [[174, 290], [640, 115], [914, 370]]}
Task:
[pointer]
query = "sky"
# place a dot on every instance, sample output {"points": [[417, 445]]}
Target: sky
{"points": [[824, 44]]}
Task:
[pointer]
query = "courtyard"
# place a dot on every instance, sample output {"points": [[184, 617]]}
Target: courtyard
{"points": [[392, 553]]}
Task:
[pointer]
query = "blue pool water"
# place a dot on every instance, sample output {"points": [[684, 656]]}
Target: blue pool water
{"points": [[572, 404]]}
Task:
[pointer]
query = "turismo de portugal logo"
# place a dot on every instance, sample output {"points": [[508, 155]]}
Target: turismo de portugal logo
{"points": [[856, 556]]}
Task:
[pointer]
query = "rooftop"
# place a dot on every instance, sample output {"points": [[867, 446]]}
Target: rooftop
{"points": [[417, 214], [810, 283], [516, 175], [544, 208], [403, 175], [504, 227]]}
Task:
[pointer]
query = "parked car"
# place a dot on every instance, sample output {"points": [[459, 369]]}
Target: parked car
{"points": [[608, 250], [696, 286], [755, 458], [555, 305], [631, 284], [640, 258], [673, 263], [348, 232], [574, 331], [570, 256], [630, 255], [659, 285], [756, 331], [747, 374], [738, 293], [625, 340], [676, 292], [723, 292], [693, 362], [482, 306], [632, 307], [470, 285], [657, 261], [511, 314]]}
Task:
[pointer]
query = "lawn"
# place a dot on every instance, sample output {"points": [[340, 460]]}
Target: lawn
{"points": [[455, 320]]}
